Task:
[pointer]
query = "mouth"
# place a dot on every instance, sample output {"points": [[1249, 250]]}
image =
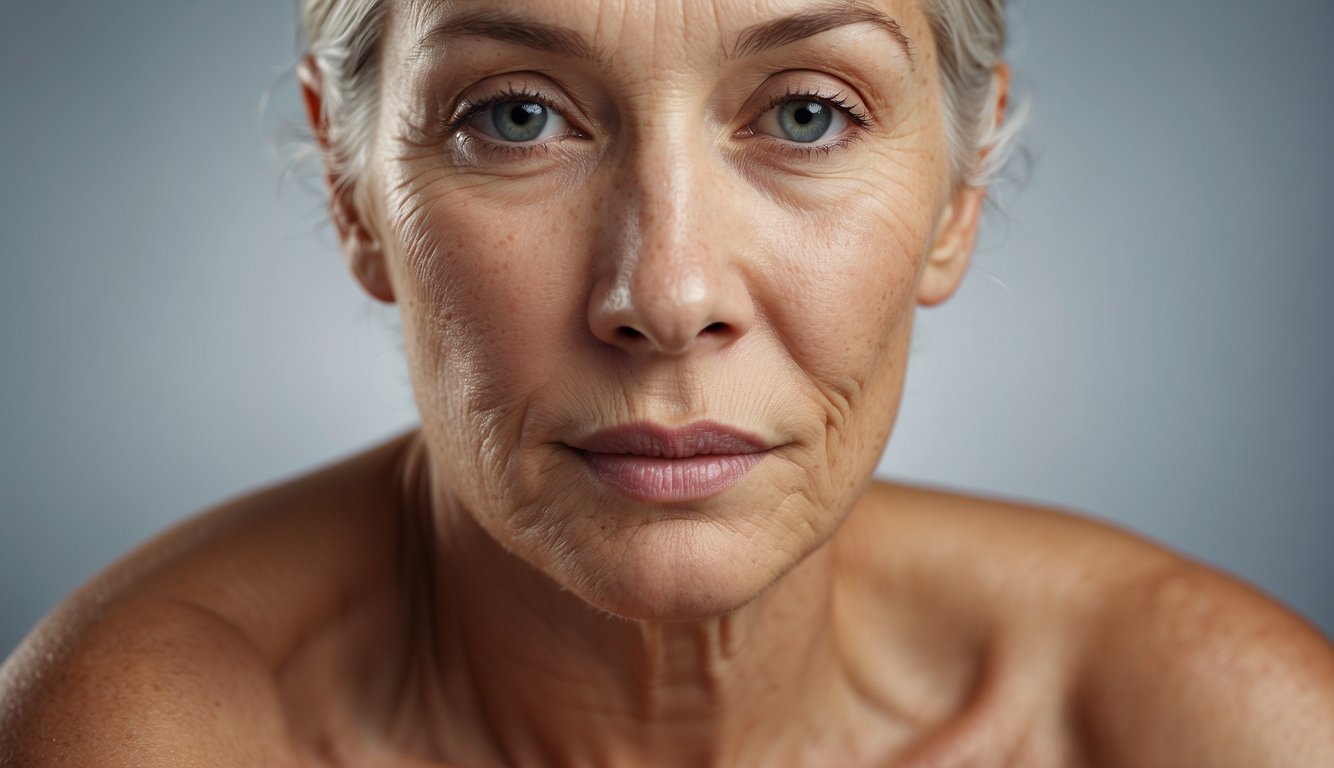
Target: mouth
{"points": [[650, 462]]}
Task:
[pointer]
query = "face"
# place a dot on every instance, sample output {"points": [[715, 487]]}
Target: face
{"points": [[657, 264]]}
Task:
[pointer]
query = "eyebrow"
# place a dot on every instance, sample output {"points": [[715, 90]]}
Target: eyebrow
{"points": [[550, 38], [507, 28], [790, 29]]}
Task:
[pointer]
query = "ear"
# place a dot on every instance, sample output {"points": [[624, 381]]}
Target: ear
{"points": [[956, 230], [357, 239], [952, 246]]}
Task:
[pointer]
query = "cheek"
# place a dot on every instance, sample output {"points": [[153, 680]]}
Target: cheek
{"points": [[482, 290], [487, 309], [843, 301], [841, 304]]}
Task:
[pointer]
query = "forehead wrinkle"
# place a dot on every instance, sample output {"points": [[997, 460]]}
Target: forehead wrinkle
{"points": [[447, 19]]}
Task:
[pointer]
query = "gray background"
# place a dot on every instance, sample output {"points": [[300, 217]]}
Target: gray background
{"points": [[1145, 336]]}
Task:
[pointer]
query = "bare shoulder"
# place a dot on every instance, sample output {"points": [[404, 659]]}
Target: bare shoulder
{"points": [[1193, 666], [144, 684], [1169, 662], [169, 657]]}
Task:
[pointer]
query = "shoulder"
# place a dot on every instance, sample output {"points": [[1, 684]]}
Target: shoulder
{"points": [[1192, 666], [1166, 661], [1015, 551], [149, 683], [170, 656]]}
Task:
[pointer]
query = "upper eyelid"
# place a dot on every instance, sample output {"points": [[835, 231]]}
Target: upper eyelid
{"points": [[519, 85], [468, 108], [853, 107]]}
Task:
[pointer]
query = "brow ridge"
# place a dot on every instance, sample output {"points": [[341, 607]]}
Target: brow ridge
{"points": [[498, 25], [799, 26], [504, 27]]}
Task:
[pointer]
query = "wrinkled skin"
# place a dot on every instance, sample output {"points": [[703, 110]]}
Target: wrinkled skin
{"points": [[663, 250], [770, 285]]}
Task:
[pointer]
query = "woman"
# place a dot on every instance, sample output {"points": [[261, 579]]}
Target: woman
{"points": [[657, 265]]}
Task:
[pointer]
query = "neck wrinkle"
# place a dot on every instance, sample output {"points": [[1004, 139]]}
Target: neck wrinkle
{"points": [[524, 672]]}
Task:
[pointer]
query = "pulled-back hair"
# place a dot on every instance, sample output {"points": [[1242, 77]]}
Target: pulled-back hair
{"points": [[343, 38]]}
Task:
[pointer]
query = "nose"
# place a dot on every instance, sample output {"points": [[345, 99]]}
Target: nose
{"points": [[670, 282]]}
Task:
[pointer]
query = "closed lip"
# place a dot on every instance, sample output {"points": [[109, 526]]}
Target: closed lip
{"points": [[651, 462], [700, 438]]}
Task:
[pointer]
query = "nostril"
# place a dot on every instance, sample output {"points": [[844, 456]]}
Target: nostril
{"points": [[630, 333]]}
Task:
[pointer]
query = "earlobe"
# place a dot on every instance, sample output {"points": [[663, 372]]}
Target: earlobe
{"points": [[363, 250], [952, 247]]}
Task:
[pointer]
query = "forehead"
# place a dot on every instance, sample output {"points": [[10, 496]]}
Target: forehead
{"points": [[662, 32]]}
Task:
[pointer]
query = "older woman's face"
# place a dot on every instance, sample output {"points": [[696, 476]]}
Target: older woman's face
{"points": [[657, 264]]}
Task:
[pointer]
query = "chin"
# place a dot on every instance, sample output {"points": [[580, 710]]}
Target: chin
{"points": [[675, 570]]}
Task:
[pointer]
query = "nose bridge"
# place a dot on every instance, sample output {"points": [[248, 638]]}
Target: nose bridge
{"points": [[669, 281], [667, 206]]}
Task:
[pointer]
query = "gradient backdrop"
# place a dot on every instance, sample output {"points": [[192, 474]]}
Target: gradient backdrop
{"points": [[1146, 335]]}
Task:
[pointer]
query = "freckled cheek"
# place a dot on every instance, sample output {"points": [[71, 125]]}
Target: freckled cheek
{"points": [[848, 296], [490, 296], [842, 311]]}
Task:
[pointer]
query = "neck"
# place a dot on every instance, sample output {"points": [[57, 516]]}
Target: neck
{"points": [[522, 672]]}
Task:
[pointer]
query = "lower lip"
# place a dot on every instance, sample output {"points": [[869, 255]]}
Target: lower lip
{"points": [[651, 478]]}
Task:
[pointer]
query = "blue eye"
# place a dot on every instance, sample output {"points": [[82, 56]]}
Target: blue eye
{"points": [[803, 120], [520, 122]]}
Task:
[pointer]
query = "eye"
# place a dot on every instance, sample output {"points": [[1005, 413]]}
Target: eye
{"points": [[803, 120], [519, 122]]}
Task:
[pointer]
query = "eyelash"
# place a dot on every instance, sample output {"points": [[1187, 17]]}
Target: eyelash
{"points": [[496, 150], [470, 109], [839, 101]]}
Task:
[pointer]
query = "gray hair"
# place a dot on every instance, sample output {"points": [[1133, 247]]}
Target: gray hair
{"points": [[343, 39], [970, 41]]}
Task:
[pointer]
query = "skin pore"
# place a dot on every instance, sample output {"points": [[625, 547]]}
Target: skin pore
{"points": [[612, 217]]}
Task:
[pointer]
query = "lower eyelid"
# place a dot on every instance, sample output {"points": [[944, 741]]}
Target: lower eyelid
{"points": [[474, 150], [842, 139], [482, 149]]}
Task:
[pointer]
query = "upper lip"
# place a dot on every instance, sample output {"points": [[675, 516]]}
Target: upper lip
{"points": [[699, 438]]}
